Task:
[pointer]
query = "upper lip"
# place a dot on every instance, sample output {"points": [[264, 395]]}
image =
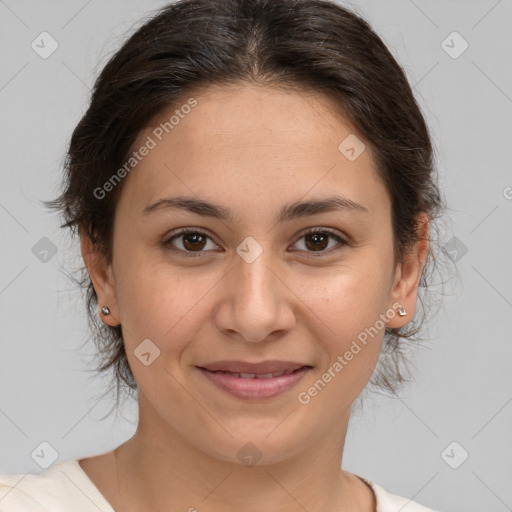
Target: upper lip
{"points": [[263, 367]]}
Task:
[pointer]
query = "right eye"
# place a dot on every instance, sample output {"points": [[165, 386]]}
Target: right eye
{"points": [[192, 240]]}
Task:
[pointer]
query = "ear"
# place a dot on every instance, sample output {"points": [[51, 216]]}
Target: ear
{"points": [[102, 278], [407, 276]]}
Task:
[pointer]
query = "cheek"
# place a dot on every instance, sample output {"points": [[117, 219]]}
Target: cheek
{"points": [[160, 303], [345, 310], [348, 298], [164, 309]]}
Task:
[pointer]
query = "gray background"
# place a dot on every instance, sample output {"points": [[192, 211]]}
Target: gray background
{"points": [[463, 390]]}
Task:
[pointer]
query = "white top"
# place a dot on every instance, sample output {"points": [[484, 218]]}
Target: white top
{"points": [[65, 487]]}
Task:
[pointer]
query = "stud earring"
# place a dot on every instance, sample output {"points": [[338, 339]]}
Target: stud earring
{"points": [[402, 311], [105, 310]]}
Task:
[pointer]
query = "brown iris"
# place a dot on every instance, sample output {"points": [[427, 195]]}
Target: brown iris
{"points": [[198, 241], [317, 237]]}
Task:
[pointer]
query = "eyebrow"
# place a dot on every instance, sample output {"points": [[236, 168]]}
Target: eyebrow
{"points": [[289, 212]]}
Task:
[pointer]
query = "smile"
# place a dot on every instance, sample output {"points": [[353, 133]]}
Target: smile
{"points": [[254, 386]]}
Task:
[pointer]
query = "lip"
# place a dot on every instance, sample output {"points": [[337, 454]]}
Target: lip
{"points": [[263, 367], [256, 388]]}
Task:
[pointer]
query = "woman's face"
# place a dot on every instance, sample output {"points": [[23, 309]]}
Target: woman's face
{"points": [[255, 287]]}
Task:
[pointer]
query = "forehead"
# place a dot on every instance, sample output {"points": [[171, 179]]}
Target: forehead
{"points": [[252, 114], [255, 141]]}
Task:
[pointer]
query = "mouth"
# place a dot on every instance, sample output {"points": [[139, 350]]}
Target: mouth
{"points": [[271, 375], [254, 381]]}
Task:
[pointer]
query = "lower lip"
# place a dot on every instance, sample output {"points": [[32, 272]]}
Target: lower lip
{"points": [[254, 389]]}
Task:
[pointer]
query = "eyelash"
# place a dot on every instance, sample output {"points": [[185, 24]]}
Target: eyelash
{"points": [[189, 254]]}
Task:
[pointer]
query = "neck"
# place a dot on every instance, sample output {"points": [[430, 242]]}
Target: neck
{"points": [[158, 467]]}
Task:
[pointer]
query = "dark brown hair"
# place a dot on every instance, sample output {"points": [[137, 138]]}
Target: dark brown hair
{"points": [[304, 44]]}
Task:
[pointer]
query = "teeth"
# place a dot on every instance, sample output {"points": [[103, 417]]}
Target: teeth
{"points": [[257, 376]]}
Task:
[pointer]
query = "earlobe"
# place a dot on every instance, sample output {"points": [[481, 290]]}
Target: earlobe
{"points": [[102, 279]]}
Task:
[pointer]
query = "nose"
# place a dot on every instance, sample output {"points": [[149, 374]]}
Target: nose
{"points": [[256, 301]]}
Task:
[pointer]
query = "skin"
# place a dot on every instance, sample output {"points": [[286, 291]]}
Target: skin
{"points": [[252, 149]]}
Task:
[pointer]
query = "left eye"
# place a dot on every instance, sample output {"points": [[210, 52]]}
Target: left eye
{"points": [[194, 241], [317, 239]]}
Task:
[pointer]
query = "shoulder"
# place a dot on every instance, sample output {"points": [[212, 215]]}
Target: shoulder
{"points": [[61, 487], [387, 502]]}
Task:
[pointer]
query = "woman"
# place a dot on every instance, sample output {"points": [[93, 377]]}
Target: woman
{"points": [[254, 192]]}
